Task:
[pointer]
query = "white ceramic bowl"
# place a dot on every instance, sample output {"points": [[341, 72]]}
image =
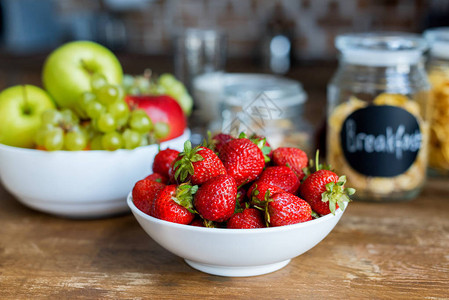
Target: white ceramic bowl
{"points": [[77, 184], [236, 252]]}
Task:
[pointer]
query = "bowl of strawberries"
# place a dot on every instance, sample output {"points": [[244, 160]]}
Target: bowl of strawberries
{"points": [[235, 207]]}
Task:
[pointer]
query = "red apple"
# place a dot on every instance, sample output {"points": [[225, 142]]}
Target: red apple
{"points": [[161, 109]]}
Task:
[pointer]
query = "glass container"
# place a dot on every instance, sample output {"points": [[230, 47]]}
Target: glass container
{"points": [[438, 71], [378, 115], [266, 105]]}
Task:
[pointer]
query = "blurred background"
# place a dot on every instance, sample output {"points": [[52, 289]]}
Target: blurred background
{"points": [[141, 33], [29, 28]]}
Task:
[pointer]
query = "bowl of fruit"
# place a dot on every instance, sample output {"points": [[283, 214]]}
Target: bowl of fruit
{"points": [[76, 146], [235, 207]]}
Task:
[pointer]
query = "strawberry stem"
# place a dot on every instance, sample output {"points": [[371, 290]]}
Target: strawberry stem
{"points": [[184, 166], [184, 196], [337, 194], [261, 143], [317, 160]]}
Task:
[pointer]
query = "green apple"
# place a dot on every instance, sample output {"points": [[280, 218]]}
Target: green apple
{"points": [[68, 70], [21, 107]]}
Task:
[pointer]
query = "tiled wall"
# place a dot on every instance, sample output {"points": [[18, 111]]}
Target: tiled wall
{"points": [[313, 23]]}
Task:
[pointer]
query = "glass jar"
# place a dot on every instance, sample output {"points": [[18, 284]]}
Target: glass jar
{"points": [[266, 105], [438, 71], [378, 114]]}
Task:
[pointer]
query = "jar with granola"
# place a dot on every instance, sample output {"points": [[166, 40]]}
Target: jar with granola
{"points": [[378, 114], [438, 71]]}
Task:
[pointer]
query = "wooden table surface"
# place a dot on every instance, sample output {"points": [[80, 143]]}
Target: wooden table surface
{"points": [[376, 251]]}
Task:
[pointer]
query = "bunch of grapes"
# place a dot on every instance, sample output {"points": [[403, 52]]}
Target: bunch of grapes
{"points": [[165, 84], [61, 130], [103, 121]]}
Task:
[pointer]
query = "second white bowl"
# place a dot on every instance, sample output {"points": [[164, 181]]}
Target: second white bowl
{"points": [[77, 184]]}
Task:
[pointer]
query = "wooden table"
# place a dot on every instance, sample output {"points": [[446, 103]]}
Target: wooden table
{"points": [[389, 250], [377, 251]]}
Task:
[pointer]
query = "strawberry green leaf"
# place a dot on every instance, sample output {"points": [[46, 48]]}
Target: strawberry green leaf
{"points": [[196, 158], [266, 150], [242, 135], [187, 146], [184, 166], [193, 189], [267, 216], [209, 224], [315, 215], [238, 207], [336, 193], [267, 196], [184, 196]]}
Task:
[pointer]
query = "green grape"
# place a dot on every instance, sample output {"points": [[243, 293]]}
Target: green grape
{"points": [[54, 139], [121, 122], [106, 123], [157, 90], [86, 98], [119, 109], [112, 141], [97, 81], [176, 90], [89, 129], [83, 129], [39, 137], [140, 121], [108, 94], [167, 80], [75, 140], [69, 118], [51, 116], [131, 139], [172, 86], [144, 141], [128, 81], [143, 84], [95, 143], [133, 91], [186, 103], [161, 130], [95, 109]]}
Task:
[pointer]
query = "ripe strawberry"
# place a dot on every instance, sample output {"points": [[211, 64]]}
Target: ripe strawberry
{"points": [[220, 139], [325, 191], [287, 209], [281, 176], [163, 161], [215, 200], [197, 222], [144, 192], [262, 191], [174, 204], [158, 178], [242, 159], [197, 165], [292, 157], [248, 218]]}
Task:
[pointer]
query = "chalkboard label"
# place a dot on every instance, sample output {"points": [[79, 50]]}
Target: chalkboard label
{"points": [[381, 140]]}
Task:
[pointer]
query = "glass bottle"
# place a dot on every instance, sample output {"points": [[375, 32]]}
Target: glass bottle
{"points": [[378, 115], [438, 71]]}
